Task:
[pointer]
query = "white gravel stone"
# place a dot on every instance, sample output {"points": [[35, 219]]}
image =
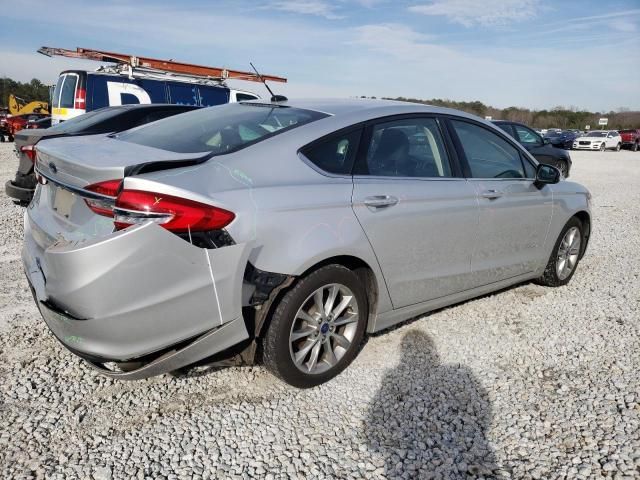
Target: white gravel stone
{"points": [[531, 382]]}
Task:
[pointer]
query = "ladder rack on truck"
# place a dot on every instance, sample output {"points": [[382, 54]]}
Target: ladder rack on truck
{"points": [[133, 65]]}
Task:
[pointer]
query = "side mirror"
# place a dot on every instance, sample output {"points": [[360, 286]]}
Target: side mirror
{"points": [[547, 174], [546, 141]]}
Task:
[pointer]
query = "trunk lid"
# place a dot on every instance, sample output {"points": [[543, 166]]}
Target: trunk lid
{"points": [[58, 210], [81, 161]]}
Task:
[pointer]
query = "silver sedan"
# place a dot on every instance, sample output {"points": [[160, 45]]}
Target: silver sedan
{"points": [[285, 232]]}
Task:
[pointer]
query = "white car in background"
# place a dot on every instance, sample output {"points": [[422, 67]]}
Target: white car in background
{"points": [[599, 140]]}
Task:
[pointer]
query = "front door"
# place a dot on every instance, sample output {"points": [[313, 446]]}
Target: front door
{"points": [[514, 214], [420, 218]]}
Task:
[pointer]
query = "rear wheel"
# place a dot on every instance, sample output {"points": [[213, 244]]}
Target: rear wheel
{"points": [[317, 328], [565, 256], [618, 147], [634, 148]]}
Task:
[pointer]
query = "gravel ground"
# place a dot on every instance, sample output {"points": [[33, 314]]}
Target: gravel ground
{"points": [[531, 382]]}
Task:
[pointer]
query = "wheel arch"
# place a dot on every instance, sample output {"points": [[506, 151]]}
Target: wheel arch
{"points": [[585, 219], [362, 269]]}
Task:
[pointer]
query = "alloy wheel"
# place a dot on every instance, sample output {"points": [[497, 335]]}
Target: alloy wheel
{"points": [[324, 328], [568, 253]]}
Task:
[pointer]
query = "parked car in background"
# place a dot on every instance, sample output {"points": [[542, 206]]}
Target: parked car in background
{"points": [[15, 123], [630, 139], [105, 120], [599, 140], [561, 139], [4, 130], [537, 146], [42, 123], [172, 243]]}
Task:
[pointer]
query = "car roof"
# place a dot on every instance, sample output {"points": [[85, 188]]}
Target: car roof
{"points": [[345, 106]]}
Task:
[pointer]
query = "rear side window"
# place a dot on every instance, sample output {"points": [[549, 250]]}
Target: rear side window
{"points": [[527, 136], [506, 127], [336, 154], [68, 93], [221, 129], [488, 155], [243, 97]]}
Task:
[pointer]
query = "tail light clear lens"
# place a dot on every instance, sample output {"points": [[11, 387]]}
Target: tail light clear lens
{"points": [[173, 213], [29, 151], [81, 96], [108, 188]]}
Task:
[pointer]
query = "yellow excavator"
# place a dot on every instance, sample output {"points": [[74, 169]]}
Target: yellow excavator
{"points": [[18, 106]]}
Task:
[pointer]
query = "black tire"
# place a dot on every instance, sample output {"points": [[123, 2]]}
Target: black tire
{"points": [[618, 147], [635, 147], [10, 138], [1, 138], [275, 344], [603, 147], [550, 276]]}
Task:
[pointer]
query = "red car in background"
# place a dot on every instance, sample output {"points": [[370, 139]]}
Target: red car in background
{"points": [[630, 139], [15, 123]]}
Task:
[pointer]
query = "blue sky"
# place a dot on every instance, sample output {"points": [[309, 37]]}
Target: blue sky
{"points": [[530, 53]]}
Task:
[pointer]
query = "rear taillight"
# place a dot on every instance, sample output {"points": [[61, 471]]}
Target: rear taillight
{"points": [[29, 151], [103, 206], [81, 96], [133, 207]]}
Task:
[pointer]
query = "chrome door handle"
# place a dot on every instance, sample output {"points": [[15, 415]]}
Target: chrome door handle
{"points": [[491, 194], [380, 201]]}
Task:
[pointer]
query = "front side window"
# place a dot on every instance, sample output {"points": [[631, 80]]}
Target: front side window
{"points": [[528, 136], [488, 155], [406, 148], [335, 155], [68, 95], [220, 129]]}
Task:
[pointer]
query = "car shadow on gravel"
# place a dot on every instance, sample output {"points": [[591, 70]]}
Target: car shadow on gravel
{"points": [[430, 420]]}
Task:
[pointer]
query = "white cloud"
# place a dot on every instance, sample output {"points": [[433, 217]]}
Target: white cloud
{"points": [[306, 7], [623, 25], [485, 12]]}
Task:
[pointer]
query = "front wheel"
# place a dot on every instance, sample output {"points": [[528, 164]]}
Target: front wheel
{"points": [[603, 147], [317, 327], [565, 256]]}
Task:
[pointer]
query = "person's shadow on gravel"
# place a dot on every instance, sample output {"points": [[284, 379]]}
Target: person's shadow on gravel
{"points": [[430, 420]]}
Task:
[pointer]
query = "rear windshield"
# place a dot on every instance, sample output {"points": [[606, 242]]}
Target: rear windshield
{"points": [[220, 129], [56, 92]]}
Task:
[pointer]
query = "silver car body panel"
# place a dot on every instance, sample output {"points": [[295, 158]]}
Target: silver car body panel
{"points": [[441, 243], [133, 292]]}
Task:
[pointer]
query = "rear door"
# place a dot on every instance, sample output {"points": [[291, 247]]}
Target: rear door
{"points": [[514, 214], [68, 97], [418, 213]]}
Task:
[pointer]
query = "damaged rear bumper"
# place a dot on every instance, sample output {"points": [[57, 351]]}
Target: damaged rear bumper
{"points": [[141, 293]]}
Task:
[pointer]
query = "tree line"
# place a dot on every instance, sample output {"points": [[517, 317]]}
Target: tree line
{"points": [[28, 91], [558, 117]]}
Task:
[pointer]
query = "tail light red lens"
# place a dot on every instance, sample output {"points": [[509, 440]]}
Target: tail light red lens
{"points": [[29, 151], [109, 188], [81, 96], [176, 214]]}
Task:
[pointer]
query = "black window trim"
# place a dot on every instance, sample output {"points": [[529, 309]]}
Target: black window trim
{"points": [[524, 155]]}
